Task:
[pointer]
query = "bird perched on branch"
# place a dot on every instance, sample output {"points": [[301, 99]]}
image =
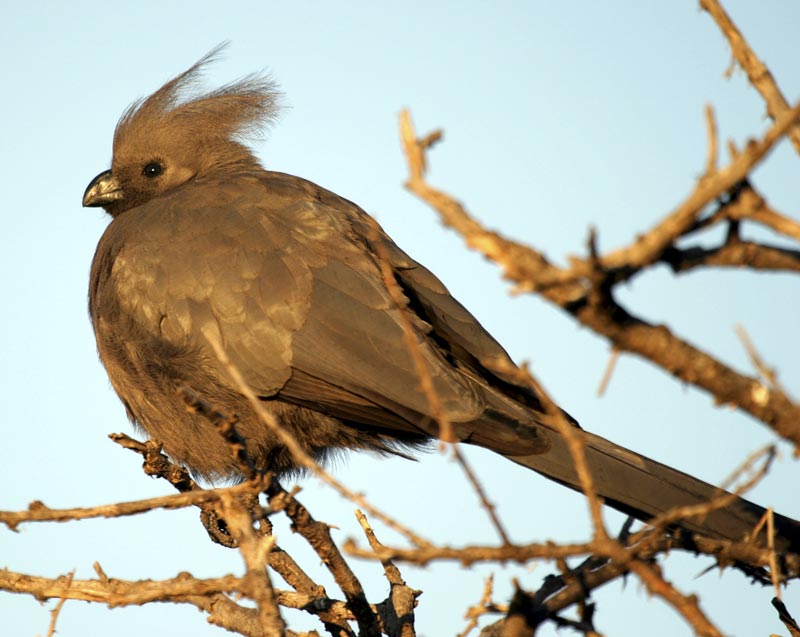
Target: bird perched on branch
{"points": [[206, 246]]}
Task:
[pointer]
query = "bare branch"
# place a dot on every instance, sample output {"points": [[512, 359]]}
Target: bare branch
{"points": [[649, 246], [39, 512], [254, 549], [318, 535], [757, 72], [51, 630], [398, 611], [585, 289], [769, 374], [713, 152], [786, 617], [610, 367]]}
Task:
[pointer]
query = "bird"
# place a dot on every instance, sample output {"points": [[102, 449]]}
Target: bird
{"points": [[207, 246]]}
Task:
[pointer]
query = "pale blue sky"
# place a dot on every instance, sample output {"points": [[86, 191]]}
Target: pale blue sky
{"points": [[556, 116]]}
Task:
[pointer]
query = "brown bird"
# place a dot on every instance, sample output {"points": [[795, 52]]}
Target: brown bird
{"points": [[205, 245]]}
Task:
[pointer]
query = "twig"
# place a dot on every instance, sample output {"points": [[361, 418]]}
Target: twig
{"points": [[51, 631], [786, 617], [749, 205], [757, 72], [686, 605], [736, 254], [610, 367], [724, 500], [117, 592], [437, 411], [576, 443], [412, 345], [648, 247], [713, 152], [318, 535], [486, 503], [774, 567], [398, 611], [280, 561], [254, 549], [39, 512], [485, 605], [766, 372], [471, 554], [781, 224]]}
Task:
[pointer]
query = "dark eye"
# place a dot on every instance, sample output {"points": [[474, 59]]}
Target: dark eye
{"points": [[153, 169]]}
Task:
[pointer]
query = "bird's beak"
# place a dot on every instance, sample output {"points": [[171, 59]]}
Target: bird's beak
{"points": [[102, 190]]}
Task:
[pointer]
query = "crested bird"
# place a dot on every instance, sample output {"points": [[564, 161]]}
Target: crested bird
{"points": [[207, 246]]}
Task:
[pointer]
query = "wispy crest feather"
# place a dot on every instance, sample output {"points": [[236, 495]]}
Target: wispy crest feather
{"points": [[239, 111]]}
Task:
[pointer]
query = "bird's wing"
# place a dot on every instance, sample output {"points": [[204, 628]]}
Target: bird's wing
{"points": [[362, 357]]}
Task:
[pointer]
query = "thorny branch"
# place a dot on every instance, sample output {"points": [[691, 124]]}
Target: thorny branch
{"points": [[757, 72], [585, 289]]}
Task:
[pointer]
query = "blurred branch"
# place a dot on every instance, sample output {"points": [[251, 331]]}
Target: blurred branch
{"points": [[585, 289], [734, 254], [786, 617], [712, 159], [757, 72], [648, 247], [446, 433], [51, 630], [769, 374], [484, 606]]}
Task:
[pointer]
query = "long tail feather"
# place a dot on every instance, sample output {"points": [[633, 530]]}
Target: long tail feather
{"points": [[644, 488]]}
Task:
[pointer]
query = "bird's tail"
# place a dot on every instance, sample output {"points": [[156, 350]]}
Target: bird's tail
{"points": [[644, 488]]}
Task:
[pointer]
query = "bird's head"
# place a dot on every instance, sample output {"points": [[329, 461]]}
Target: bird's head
{"points": [[175, 135]]}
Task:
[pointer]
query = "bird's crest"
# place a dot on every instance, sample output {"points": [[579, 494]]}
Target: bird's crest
{"points": [[239, 111]]}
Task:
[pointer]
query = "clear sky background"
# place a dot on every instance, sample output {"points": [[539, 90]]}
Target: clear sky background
{"points": [[556, 116]]}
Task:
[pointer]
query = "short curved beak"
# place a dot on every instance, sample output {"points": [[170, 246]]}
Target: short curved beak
{"points": [[102, 190]]}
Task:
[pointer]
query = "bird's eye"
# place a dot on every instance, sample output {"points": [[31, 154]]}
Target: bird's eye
{"points": [[153, 169]]}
